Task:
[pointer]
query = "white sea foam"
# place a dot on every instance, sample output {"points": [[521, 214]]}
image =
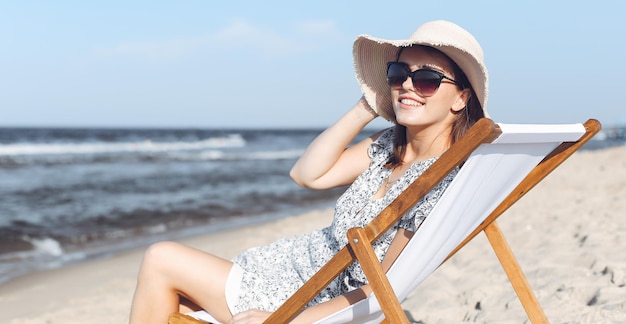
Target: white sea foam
{"points": [[233, 140], [274, 155], [46, 245]]}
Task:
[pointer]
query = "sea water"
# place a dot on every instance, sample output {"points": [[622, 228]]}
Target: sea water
{"points": [[71, 194]]}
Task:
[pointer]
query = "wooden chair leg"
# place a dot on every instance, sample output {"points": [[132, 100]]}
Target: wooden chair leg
{"points": [[514, 272], [362, 248]]}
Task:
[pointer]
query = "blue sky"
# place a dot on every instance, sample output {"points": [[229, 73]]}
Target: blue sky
{"points": [[288, 63]]}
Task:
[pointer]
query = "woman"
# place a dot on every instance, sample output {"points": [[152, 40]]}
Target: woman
{"points": [[433, 86]]}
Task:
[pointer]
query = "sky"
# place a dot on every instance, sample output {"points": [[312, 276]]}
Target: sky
{"points": [[288, 64]]}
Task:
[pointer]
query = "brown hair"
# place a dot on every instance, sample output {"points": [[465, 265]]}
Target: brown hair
{"points": [[465, 118]]}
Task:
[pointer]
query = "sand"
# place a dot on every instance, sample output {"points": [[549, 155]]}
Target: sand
{"points": [[569, 236]]}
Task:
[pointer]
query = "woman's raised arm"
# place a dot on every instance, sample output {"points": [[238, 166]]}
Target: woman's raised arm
{"points": [[328, 162]]}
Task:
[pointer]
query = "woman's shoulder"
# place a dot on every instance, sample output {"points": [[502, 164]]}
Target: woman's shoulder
{"points": [[383, 142], [384, 136]]}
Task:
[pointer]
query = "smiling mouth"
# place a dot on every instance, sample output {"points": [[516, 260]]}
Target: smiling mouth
{"points": [[411, 102]]}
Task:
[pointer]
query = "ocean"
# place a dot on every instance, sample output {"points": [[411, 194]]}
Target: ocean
{"points": [[71, 194], [68, 195]]}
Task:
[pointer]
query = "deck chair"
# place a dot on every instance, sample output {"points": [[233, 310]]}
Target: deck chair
{"points": [[500, 163]]}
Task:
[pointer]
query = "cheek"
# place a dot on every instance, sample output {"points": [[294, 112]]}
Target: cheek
{"points": [[395, 94], [447, 99], [439, 105], [394, 99]]}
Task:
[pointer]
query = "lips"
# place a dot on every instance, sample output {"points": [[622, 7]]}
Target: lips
{"points": [[411, 102]]}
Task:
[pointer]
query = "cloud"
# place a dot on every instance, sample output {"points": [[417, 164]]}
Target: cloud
{"points": [[240, 34], [303, 37], [152, 51], [157, 50], [315, 28]]}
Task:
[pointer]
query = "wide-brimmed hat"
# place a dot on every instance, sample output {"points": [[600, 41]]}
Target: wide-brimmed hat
{"points": [[371, 55]]}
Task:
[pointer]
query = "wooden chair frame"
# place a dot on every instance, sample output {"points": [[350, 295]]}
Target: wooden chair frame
{"points": [[361, 239]]}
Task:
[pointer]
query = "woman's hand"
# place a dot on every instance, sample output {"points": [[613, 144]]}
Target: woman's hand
{"points": [[250, 317]]}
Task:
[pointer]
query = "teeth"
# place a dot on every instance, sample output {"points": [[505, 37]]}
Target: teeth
{"points": [[410, 102]]}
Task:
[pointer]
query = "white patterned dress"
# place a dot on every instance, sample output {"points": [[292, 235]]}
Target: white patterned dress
{"points": [[272, 273]]}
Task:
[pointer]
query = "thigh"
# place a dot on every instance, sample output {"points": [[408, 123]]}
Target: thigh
{"points": [[196, 275]]}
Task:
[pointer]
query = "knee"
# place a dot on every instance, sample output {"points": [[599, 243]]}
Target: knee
{"points": [[161, 253]]}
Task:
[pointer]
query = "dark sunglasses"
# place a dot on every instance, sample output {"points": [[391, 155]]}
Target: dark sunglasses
{"points": [[425, 81]]}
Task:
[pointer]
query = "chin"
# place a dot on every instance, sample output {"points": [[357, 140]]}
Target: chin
{"points": [[408, 120]]}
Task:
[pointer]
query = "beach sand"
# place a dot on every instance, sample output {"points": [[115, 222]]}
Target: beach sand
{"points": [[568, 234]]}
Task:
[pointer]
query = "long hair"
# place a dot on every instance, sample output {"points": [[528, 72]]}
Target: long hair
{"points": [[465, 118]]}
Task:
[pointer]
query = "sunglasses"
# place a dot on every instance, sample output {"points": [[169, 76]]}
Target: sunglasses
{"points": [[425, 81]]}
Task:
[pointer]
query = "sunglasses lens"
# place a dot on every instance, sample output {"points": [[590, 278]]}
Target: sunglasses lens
{"points": [[396, 75], [426, 82]]}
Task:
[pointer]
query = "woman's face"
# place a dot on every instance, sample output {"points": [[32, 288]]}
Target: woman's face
{"points": [[414, 110]]}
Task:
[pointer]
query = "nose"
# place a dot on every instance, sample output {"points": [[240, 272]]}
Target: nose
{"points": [[408, 84]]}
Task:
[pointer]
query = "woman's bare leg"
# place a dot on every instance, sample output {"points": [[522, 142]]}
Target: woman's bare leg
{"points": [[170, 270]]}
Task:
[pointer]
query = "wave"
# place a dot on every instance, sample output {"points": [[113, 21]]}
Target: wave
{"points": [[46, 253], [260, 155], [212, 155], [145, 146]]}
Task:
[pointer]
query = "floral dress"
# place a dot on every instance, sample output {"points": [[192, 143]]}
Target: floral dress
{"points": [[272, 273]]}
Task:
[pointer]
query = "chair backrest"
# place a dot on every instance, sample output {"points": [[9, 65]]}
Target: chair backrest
{"points": [[488, 176]]}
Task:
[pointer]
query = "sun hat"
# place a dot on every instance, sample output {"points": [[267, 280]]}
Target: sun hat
{"points": [[371, 55]]}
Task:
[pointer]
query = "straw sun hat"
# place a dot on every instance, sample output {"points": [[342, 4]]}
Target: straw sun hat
{"points": [[371, 55]]}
